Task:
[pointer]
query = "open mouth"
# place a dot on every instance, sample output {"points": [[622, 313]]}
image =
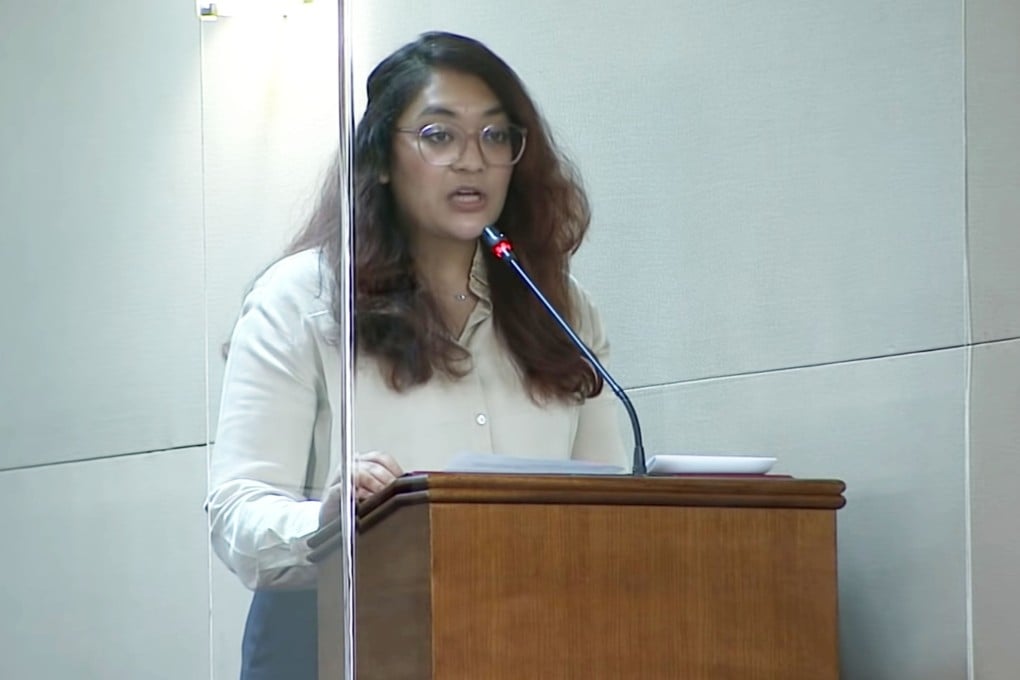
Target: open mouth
{"points": [[467, 196]]}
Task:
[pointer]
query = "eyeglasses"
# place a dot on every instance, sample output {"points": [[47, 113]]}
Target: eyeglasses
{"points": [[445, 143]]}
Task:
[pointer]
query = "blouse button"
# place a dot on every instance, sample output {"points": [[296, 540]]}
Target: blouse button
{"points": [[481, 419]]}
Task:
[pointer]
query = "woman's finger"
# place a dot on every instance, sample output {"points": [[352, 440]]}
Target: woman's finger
{"points": [[372, 476], [385, 460]]}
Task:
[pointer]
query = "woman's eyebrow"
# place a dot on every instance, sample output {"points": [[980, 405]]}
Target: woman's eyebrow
{"points": [[440, 110]]}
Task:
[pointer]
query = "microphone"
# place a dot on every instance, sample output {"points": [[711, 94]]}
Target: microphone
{"points": [[500, 246]]}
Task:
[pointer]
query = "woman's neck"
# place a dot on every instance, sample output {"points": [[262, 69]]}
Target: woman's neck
{"points": [[443, 268], [444, 264]]}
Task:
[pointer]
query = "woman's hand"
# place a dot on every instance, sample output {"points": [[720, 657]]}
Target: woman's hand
{"points": [[373, 472]]}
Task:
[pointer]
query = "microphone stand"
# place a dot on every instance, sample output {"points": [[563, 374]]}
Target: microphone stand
{"points": [[503, 250]]}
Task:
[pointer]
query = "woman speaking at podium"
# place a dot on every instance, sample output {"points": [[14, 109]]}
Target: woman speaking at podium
{"points": [[453, 354]]}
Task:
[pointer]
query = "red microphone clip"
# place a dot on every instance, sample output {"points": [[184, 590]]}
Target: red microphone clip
{"points": [[502, 249]]}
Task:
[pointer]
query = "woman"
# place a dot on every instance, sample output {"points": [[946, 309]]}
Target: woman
{"points": [[453, 353]]}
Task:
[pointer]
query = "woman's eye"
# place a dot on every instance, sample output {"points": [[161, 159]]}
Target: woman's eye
{"points": [[496, 135], [436, 135]]}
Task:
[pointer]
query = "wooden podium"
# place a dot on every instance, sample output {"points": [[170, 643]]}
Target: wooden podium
{"points": [[520, 577]]}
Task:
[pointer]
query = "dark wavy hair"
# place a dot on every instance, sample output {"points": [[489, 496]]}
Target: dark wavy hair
{"points": [[546, 215]]}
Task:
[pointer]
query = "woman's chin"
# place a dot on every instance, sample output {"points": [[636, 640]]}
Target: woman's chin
{"points": [[469, 230], [459, 227]]}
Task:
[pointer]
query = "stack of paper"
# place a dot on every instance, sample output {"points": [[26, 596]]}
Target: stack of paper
{"points": [[489, 463]]}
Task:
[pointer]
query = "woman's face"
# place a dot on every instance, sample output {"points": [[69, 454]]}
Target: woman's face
{"points": [[455, 201]]}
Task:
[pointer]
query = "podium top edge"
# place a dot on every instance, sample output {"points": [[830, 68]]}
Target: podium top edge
{"points": [[728, 484], [716, 490], [751, 491]]}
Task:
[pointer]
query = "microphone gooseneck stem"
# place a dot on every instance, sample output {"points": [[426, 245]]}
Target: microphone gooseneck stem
{"points": [[502, 249]]}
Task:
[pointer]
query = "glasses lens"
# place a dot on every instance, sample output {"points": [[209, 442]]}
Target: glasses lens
{"points": [[445, 143], [441, 144], [502, 144]]}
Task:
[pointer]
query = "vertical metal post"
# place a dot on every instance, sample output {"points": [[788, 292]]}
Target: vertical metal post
{"points": [[345, 418]]}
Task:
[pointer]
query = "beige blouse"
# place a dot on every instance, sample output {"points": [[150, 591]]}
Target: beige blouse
{"points": [[275, 446]]}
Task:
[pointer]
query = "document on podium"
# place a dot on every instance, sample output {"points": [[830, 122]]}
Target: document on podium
{"points": [[496, 464]]}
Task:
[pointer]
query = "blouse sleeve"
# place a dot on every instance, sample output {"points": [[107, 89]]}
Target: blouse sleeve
{"points": [[598, 429], [259, 513]]}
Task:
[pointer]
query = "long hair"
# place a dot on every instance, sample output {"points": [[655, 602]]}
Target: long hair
{"points": [[546, 215]]}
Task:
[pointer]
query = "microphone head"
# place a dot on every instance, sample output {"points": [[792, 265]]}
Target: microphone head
{"points": [[491, 236], [497, 243]]}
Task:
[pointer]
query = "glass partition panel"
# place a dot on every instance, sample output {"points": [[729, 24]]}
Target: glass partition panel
{"points": [[273, 158], [777, 228]]}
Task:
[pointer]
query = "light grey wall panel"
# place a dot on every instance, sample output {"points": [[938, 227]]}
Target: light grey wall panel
{"points": [[229, 604], [270, 117], [100, 231], [773, 186], [993, 166], [106, 569], [995, 469], [893, 429]]}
